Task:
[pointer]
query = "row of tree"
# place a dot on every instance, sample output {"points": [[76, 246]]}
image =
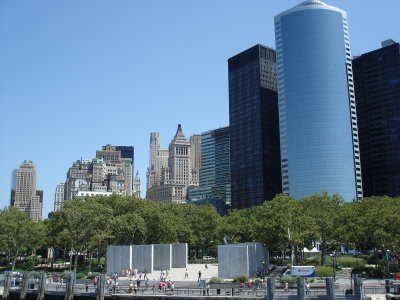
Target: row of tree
{"points": [[89, 225]]}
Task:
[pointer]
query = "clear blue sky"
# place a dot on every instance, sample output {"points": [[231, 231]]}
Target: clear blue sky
{"points": [[78, 74]]}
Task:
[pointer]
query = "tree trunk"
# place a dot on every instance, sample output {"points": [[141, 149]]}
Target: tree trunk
{"points": [[70, 261], [322, 253], [76, 262], [14, 260]]}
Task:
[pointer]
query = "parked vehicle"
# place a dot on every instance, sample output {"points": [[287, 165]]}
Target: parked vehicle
{"points": [[208, 258], [302, 271]]}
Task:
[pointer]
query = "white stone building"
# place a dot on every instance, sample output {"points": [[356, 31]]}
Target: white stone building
{"points": [[171, 172]]}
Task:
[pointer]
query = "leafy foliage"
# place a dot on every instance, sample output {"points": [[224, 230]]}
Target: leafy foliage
{"points": [[89, 225]]}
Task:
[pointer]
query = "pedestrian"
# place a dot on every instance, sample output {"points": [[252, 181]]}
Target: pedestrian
{"points": [[162, 275], [249, 284], [286, 287], [199, 276], [135, 288], [138, 283], [172, 287], [186, 274], [87, 286], [145, 274], [206, 266], [130, 286], [95, 281], [208, 289], [307, 288]]}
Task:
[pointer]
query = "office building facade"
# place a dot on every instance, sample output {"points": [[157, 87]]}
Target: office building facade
{"points": [[215, 180], [318, 122], [254, 127], [59, 196], [25, 197], [171, 173], [377, 86], [109, 172]]}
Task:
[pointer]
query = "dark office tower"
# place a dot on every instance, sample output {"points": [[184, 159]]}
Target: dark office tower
{"points": [[127, 152], [377, 88], [254, 127]]}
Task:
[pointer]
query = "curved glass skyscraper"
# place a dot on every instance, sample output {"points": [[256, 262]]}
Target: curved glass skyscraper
{"points": [[318, 123]]}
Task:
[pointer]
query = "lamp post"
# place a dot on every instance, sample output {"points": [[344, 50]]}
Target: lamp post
{"points": [[334, 265], [356, 255], [388, 260]]}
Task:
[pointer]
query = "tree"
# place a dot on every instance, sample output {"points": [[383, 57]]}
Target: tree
{"points": [[281, 223], [324, 210], [16, 230], [81, 226], [373, 223]]}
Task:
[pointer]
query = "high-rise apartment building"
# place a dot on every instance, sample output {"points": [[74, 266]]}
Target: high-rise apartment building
{"points": [[59, 196], [318, 121], [377, 87], [114, 160], [25, 197], [254, 127], [215, 176], [110, 172], [171, 172]]}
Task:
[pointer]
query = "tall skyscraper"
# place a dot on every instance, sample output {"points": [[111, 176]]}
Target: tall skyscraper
{"points": [[26, 197], [215, 175], [318, 122], [136, 186], [254, 127], [59, 197], [169, 183], [377, 86], [157, 162]]}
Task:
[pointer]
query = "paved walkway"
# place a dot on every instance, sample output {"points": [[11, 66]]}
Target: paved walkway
{"points": [[178, 274]]}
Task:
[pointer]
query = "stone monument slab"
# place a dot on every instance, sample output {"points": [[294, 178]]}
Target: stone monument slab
{"points": [[162, 256], [179, 255]]}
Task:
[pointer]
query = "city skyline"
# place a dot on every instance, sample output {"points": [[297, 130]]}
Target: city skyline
{"points": [[154, 66]]}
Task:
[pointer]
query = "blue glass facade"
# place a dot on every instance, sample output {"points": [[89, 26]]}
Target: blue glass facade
{"points": [[215, 179], [319, 152]]}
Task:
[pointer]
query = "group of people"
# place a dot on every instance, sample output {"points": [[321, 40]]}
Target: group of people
{"points": [[163, 286], [134, 286]]}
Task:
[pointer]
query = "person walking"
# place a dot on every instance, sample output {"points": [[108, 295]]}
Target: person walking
{"points": [[198, 279], [186, 274], [138, 283], [145, 274]]}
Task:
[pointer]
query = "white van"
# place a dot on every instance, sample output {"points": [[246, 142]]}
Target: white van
{"points": [[302, 271]]}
